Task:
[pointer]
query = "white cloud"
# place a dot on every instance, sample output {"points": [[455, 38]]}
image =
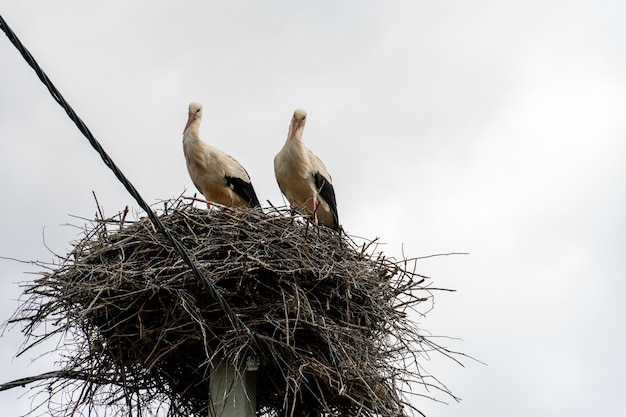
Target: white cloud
{"points": [[492, 128]]}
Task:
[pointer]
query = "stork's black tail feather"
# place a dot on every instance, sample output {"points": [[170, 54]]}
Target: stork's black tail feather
{"points": [[327, 192], [244, 189]]}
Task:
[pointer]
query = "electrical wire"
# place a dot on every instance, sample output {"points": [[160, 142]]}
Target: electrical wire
{"points": [[178, 247]]}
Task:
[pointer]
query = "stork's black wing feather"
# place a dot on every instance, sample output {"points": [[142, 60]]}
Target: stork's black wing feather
{"points": [[327, 192], [244, 189]]}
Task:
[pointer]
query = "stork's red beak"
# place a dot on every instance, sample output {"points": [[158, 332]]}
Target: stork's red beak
{"points": [[191, 118], [294, 128]]}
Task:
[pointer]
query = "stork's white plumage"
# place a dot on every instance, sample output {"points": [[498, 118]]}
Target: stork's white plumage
{"points": [[217, 175], [303, 177]]}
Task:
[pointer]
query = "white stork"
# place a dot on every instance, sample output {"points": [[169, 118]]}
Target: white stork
{"points": [[217, 175], [303, 177]]}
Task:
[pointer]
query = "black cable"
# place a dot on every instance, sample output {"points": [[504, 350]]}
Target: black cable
{"points": [[213, 292]]}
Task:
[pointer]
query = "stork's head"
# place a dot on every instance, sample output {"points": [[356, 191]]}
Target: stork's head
{"points": [[297, 124], [195, 113]]}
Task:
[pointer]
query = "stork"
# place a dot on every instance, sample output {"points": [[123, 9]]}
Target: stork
{"points": [[217, 175], [303, 177]]}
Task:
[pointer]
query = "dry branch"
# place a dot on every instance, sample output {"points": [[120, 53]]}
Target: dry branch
{"points": [[329, 317]]}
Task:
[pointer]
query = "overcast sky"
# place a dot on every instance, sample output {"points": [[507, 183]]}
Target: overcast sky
{"points": [[490, 127]]}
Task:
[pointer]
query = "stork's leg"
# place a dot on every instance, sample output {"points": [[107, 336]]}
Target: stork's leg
{"points": [[315, 211], [208, 205], [292, 207]]}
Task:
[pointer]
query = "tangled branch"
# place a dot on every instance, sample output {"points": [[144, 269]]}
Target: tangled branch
{"points": [[328, 317]]}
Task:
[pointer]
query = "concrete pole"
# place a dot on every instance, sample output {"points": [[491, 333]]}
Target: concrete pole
{"points": [[233, 391]]}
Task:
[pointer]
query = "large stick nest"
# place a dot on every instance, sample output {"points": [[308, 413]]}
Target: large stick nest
{"points": [[324, 316]]}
